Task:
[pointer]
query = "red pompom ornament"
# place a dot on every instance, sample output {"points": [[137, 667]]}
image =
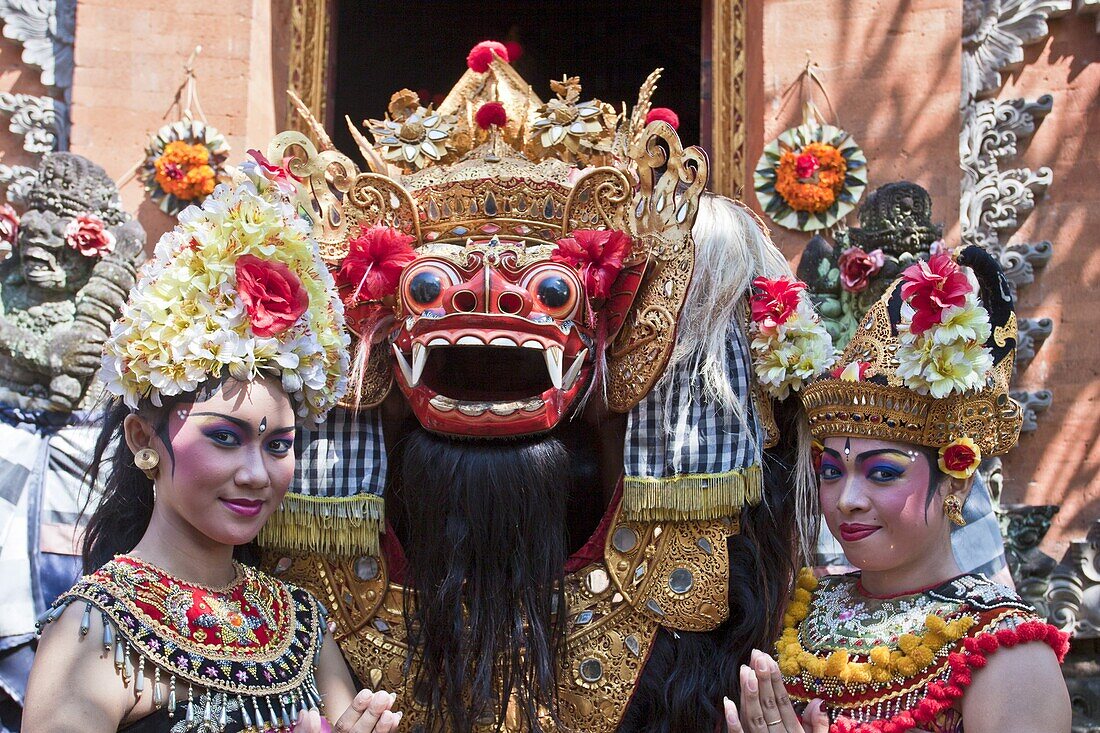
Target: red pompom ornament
{"points": [[515, 51], [491, 114], [481, 55], [664, 114]]}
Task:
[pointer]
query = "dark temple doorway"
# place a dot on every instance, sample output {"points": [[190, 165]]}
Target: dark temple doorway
{"points": [[382, 47]]}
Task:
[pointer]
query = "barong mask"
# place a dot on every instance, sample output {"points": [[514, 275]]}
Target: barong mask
{"points": [[504, 256]]}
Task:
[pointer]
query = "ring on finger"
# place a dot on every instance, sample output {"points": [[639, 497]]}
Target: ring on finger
{"points": [[774, 722]]}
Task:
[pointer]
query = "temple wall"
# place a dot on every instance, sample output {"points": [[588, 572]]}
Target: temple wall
{"points": [[130, 57], [1060, 462]]}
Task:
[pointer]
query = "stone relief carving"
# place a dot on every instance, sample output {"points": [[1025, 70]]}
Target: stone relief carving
{"points": [[56, 301], [40, 120], [994, 35], [46, 28], [16, 181]]}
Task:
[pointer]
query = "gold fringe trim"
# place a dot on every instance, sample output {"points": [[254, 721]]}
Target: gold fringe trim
{"points": [[343, 526], [693, 496]]}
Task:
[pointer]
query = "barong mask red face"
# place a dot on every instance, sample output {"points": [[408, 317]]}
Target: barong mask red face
{"points": [[879, 502], [492, 343], [226, 460]]}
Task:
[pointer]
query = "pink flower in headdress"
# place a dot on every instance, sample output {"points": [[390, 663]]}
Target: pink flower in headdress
{"points": [[931, 287], [88, 235], [664, 114], [9, 230], [776, 301], [272, 294], [374, 263], [806, 165], [598, 254], [280, 176], [858, 267]]}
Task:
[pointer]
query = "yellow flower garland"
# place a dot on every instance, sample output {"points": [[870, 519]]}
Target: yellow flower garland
{"points": [[913, 655]]}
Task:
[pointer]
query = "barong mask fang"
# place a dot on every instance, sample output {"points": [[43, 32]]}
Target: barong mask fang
{"points": [[540, 263]]}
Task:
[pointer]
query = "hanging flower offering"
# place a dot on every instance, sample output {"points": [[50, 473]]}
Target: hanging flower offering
{"points": [[184, 161]]}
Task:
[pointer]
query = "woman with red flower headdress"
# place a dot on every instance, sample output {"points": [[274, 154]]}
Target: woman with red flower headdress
{"points": [[901, 424], [232, 337]]}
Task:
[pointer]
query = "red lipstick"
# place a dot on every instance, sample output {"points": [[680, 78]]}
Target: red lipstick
{"points": [[854, 531], [244, 507]]}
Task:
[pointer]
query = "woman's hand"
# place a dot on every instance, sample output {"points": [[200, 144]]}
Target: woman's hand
{"points": [[765, 705], [369, 712]]}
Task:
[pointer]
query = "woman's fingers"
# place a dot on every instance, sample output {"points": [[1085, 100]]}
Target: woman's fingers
{"points": [[762, 666], [308, 722], [733, 723], [815, 720], [783, 703], [752, 716], [388, 722], [379, 705]]}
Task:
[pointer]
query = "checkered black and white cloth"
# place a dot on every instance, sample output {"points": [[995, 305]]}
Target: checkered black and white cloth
{"points": [[342, 457], [695, 436]]}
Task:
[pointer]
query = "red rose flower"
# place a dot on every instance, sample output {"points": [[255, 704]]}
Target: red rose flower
{"points": [[481, 55], [858, 267], [273, 295], [374, 263], [9, 230], [598, 254], [88, 235], [806, 165], [933, 286], [776, 301], [491, 114], [961, 458]]}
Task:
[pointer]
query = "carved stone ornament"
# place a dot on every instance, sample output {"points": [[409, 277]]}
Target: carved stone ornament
{"points": [[40, 120], [16, 180], [46, 29], [994, 35]]}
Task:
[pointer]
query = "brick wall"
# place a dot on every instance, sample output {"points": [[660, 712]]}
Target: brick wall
{"points": [[129, 64]]}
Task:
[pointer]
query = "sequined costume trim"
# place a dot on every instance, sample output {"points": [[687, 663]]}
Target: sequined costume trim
{"points": [[256, 640], [845, 631]]}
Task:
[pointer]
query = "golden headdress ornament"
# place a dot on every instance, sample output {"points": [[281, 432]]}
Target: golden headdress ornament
{"points": [[930, 364]]}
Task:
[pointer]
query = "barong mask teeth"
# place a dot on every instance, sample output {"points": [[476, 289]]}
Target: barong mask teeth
{"points": [[929, 365], [499, 326], [237, 289]]}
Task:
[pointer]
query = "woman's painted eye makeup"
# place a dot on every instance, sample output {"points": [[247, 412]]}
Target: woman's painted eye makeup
{"points": [[884, 472], [223, 436], [829, 470], [281, 446]]}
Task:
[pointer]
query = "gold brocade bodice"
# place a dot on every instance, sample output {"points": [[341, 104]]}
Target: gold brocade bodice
{"points": [[652, 574]]}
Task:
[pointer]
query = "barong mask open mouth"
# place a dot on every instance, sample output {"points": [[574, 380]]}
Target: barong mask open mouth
{"points": [[490, 339]]}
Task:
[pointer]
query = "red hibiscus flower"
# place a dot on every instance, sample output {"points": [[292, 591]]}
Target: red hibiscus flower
{"points": [[933, 286], [806, 165], [278, 175], [776, 301], [598, 254], [858, 267], [271, 293], [88, 235], [374, 263]]}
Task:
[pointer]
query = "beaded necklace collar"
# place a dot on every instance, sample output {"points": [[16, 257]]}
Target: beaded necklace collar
{"points": [[255, 640]]}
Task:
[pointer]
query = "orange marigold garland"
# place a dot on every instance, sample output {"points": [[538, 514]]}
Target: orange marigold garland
{"points": [[810, 177], [184, 161]]}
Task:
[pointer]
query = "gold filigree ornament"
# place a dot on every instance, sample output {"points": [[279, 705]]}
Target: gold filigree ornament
{"points": [[596, 170]]}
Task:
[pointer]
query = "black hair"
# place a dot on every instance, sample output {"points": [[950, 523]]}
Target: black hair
{"points": [[488, 571], [687, 674]]}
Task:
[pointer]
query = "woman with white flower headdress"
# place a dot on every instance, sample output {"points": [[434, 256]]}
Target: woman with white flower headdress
{"points": [[910, 642], [232, 336]]}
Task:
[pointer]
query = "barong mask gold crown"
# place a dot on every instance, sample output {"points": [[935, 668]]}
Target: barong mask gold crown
{"points": [[550, 240], [929, 365]]}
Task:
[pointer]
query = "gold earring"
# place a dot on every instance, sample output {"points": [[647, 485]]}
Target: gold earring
{"points": [[147, 460], [952, 509]]}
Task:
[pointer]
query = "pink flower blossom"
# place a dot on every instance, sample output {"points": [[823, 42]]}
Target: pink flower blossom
{"points": [[280, 176], [931, 287], [858, 267], [776, 301], [806, 165], [88, 235]]}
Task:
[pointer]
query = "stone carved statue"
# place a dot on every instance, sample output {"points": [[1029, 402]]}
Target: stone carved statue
{"points": [[845, 279], [74, 260]]}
